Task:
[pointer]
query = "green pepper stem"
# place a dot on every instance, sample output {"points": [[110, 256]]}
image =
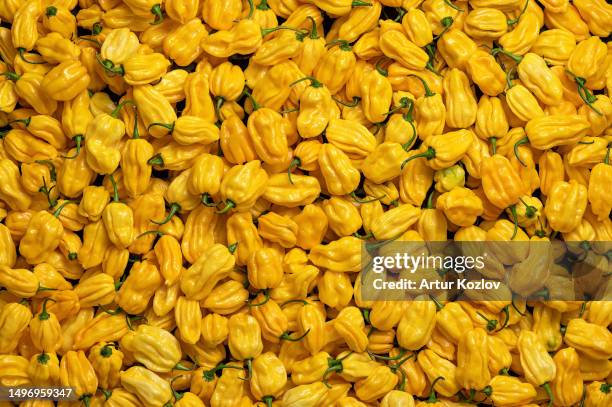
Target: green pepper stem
{"points": [[78, 139], [11, 76], [432, 394], [493, 141], [314, 35], [397, 357], [287, 336], [447, 23], [551, 397], [266, 31], [382, 71], [22, 51], [355, 102], [514, 57], [451, 5], [365, 200], [428, 92], [219, 100], [207, 200], [232, 248], [151, 232], [491, 323], [51, 11], [263, 5], [516, 20], [428, 154], [58, 211], [209, 375], [180, 366], [313, 82], [44, 315], [515, 220], [343, 44], [360, 3], [115, 112], [51, 166], [228, 206], [96, 28], [115, 189], [169, 126], [156, 160], [265, 300], [439, 305], [295, 163], [157, 12], [174, 209], [522, 141], [268, 400], [256, 106]]}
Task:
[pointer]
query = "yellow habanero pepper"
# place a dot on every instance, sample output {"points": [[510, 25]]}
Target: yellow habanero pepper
{"points": [[472, 360], [486, 72], [43, 369], [264, 269], [157, 349], [66, 80], [340, 176], [456, 47], [485, 23], [598, 394], [45, 330], [244, 338], [269, 377], [336, 66], [461, 206], [417, 27], [24, 31], [107, 362], [566, 205], [502, 184], [138, 287], [150, 389], [220, 14], [315, 108], [118, 219], [539, 79], [600, 200], [436, 367], [567, 386], [312, 226], [11, 189], [77, 372], [538, 366], [396, 46], [311, 322], [215, 263], [273, 147], [523, 36], [242, 185], [417, 324], [592, 340], [102, 136], [14, 320], [342, 215], [509, 391], [459, 99], [42, 235], [243, 38], [555, 46], [444, 150]]}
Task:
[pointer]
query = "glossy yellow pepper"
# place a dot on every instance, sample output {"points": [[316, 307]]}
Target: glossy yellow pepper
{"points": [[434, 367], [14, 320], [157, 349], [501, 182], [242, 185], [441, 152], [42, 236], [509, 391], [243, 38], [335, 66], [213, 265], [538, 366], [472, 360], [566, 205], [118, 220], [138, 287], [455, 47], [77, 372], [592, 340], [340, 176], [269, 377], [107, 362], [149, 387]]}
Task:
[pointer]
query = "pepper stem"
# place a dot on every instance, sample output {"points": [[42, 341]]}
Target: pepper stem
{"points": [[428, 154], [268, 400], [313, 82], [52, 170], [265, 300], [314, 35], [174, 209], [428, 92], [115, 112], [295, 163], [365, 200], [266, 31], [44, 315], [250, 97], [360, 3], [78, 139], [516, 20], [157, 12], [522, 141], [169, 126], [515, 220], [207, 200], [491, 323], [343, 44], [432, 394], [228, 206], [287, 336], [514, 57], [546, 387], [22, 51], [355, 102], [156, 160], [59, 208]]}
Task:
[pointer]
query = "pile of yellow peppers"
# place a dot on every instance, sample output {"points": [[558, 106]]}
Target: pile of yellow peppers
{"points": [[185, 187]]}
